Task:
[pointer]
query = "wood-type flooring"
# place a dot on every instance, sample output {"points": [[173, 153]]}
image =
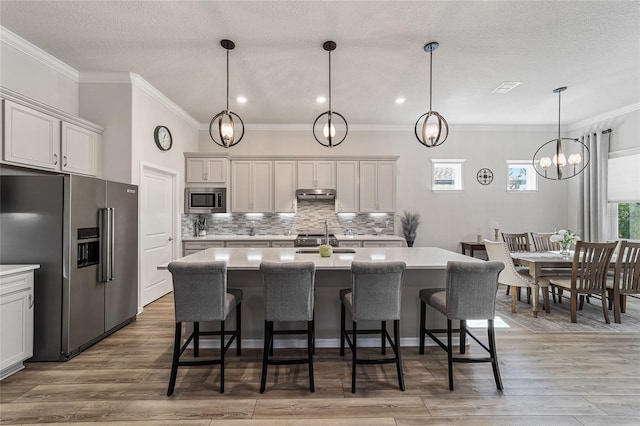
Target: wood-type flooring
{"points": [[549, 379]]}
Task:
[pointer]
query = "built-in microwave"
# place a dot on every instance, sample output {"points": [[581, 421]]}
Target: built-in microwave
{"points": [[205, 200]]}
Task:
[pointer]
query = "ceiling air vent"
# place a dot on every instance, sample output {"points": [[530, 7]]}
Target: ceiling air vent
{"points": [[506, 86]]}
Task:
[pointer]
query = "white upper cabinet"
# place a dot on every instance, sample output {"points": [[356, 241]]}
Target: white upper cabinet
{"points": [[207, 170], [79, 150], [44, 141], [31, 137], [252, 186], [284, 186], [347, 192], [316, 174], [377, 186]]}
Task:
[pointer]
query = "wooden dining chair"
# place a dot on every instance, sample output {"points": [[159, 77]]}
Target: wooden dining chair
{"points": [[517, 242], [588, 275], [542, 241], [626, 278]]}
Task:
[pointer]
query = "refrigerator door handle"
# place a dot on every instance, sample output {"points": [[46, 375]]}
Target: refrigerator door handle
{"points": [[106, 243], [112, 241]]}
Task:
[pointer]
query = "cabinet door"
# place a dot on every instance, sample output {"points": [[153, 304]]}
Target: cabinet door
{"points": [[282, 244], [382, 244], [386, 186], [31, 137], [262, 186], [196, 170], [306, 174], [241, 187], [325, 174], [79, 150], [368, 187], [284, 186], [346, 186], [16, 320], [216, 170], [248, 244]]}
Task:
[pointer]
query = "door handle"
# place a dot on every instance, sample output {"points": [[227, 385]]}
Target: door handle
{"points": [[30, 301], [170, 238], [65, 161], [55, 159]]}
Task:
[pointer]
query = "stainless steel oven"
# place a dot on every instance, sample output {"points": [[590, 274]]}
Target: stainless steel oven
{"points": [[205, 200]]}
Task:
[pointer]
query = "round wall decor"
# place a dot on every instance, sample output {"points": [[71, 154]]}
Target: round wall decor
{"points": [[485, 176], [163, 138]]}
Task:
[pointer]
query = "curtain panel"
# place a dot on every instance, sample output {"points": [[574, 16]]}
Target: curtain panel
{"points": [[592, 199]]}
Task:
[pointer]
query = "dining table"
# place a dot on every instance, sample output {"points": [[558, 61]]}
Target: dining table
{"points": [[540, 261]]}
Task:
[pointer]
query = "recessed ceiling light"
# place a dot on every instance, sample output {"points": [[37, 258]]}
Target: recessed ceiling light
{"points": [[241, 99], [400, 100], [321, 99], [506, 86]]}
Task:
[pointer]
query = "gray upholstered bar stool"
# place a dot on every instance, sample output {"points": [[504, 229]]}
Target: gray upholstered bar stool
{"points": [[470, 294], [288, 296], [200, 294], [375, 294]]}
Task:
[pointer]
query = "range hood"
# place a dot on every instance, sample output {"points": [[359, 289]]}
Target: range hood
{"points": [[315, 194]]}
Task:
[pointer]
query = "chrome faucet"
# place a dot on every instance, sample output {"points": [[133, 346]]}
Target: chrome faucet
{"points": [[326, 232]]}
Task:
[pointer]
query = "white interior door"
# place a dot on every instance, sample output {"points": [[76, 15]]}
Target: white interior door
{"points": [[158, 204]]}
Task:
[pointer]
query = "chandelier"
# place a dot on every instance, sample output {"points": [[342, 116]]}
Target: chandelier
{"points": [[561, 158], [223, 127], [431, 129], [325, 125]]}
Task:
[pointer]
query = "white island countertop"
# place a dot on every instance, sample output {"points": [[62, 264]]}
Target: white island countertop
{"points": [[280, 237], [15, 269], [250, 258]]}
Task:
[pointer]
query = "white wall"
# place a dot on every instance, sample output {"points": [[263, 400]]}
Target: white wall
{"points": [[110, 106], [447, 218], [37, 74], [147, 113]]}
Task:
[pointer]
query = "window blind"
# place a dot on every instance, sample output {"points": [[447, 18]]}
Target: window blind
{"points": [[624, 179]]}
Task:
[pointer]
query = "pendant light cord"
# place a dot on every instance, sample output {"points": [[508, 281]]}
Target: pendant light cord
{"points": [[227, 79], [430, 77], [329, 81], [559, 95]]}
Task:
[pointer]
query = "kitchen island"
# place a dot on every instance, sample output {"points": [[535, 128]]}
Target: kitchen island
{"points": [[426, 267]]}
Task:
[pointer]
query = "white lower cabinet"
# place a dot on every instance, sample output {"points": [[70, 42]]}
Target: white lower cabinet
{"points": [[190, 247], [350, 244], [16, 321], [248, 244], [282, 244], [382, 244]]}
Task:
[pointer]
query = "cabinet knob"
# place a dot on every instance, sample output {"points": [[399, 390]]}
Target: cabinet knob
{"points": [[30, 301], [170, 238], [65, 160], [205, 177], [55, 159]]}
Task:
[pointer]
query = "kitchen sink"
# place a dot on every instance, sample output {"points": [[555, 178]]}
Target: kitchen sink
{"points": [[317, 251]]}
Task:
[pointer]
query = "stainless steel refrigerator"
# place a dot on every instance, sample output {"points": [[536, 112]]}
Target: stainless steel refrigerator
{"points": [[84, 234]]}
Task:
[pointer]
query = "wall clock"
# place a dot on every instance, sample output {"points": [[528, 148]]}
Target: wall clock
{"points": [[163, 138], [485, 176]]}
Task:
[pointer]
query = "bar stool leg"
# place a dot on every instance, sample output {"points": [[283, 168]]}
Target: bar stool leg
{"points": [[239, 329], [310, 348], [196, 339], [450, 353], [176, 358], [494, 354], [265, 355], [222, 356], [423, 314], [353, 358], [383, 343], [396, 347], [342, 328], [463, 336]]}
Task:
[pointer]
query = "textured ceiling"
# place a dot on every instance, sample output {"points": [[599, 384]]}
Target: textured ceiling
{"points": [[280, 66]]}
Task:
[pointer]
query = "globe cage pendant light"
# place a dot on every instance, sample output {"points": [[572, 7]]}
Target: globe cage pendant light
{"points": [[559, 152], [223, 127], [434, 129], [325, 131]]}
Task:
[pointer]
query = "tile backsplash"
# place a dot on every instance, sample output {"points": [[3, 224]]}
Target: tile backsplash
{"points": [[310, 217]]}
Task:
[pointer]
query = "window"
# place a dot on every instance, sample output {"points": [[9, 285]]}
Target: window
{"points": [[447, 175], [623, 194], [521, 176]]}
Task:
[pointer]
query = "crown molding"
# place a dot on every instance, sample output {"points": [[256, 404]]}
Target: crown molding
{"points": [[34, 52], [140, 83], [603, 117]]}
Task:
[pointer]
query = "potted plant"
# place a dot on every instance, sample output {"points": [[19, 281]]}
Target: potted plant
{"points": [[410, 222]]}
